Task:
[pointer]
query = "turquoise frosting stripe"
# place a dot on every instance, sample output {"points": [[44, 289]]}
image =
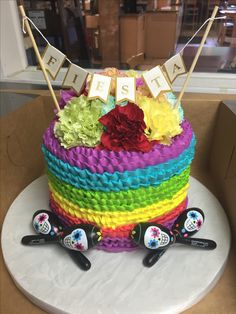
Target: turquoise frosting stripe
{"points": [[151, 175]]}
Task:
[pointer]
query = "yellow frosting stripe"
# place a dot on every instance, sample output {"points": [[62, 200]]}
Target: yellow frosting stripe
{"points": [[114, 219]]}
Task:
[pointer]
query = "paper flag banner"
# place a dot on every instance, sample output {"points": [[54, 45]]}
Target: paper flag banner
{"points": [[75, 77], [156, 81], [53, 60], [100, 87], [174, 67], [125, 89]]}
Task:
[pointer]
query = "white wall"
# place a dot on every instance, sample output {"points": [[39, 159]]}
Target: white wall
{"points": [[12, 53]]}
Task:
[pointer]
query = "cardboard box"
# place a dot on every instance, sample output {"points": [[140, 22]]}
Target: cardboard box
{"points": [[22, 162], [131, 36], [223, 159], [20, 143]]}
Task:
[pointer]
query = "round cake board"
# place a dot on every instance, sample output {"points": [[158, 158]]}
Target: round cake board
{"points": [[117, 282]]}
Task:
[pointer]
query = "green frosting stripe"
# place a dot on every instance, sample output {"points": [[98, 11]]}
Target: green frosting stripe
{"points": [[122, 200]]}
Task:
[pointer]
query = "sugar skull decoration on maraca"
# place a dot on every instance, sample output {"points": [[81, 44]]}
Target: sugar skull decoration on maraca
{"points": [[189, 222], [75, 238], [46, 222], [157, 238], [152, 236]]}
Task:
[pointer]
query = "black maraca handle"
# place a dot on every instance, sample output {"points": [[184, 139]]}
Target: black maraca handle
{"points": [[80, 259], [197, 242], [77, 256], [152, 257], [39, 239]]}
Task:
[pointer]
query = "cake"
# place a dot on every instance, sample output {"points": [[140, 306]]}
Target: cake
{"points": [[116, 165]]}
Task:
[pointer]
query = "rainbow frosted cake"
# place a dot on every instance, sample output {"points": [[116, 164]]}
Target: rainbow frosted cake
{"points": [[116, 165]]}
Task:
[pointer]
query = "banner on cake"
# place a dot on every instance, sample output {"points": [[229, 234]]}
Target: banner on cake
{"points": [[158, 79], [174, 67]]}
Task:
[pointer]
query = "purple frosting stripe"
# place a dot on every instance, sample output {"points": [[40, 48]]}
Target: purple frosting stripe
{"points": [[99, 161]]}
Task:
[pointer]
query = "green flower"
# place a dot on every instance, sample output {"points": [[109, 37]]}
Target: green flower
{"points": [[78, 123]]}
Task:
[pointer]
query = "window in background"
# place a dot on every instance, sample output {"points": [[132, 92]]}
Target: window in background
{"points": [[134, 33]]}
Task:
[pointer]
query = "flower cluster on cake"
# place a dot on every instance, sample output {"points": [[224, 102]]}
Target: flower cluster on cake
{"points": [[115, 165]]}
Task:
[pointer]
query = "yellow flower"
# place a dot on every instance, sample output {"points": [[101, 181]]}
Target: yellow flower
{"points": [[132, 73], [162, 120]]}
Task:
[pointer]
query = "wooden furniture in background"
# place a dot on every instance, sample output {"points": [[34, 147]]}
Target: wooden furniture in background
{"points": [[191, 12], [210, 6], [109, 11], [162, 29], [93, 36], [228, 25], [131, 36]]}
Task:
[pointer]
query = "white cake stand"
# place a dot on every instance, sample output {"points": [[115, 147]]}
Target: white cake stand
{"points": [[117, 283]]}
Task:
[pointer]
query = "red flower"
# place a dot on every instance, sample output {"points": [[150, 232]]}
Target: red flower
{"points": [[125, 129]]}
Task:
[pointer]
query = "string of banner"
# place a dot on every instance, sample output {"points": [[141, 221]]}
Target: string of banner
{"points": [[158, 79]]}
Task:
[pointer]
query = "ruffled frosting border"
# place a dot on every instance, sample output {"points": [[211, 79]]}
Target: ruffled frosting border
{"points": [[118, 218], [117, 240], [122, 200], [100, 161], [151, 175]]}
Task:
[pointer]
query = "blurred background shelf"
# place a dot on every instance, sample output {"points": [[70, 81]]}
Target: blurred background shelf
{"points": [[103, 33]]}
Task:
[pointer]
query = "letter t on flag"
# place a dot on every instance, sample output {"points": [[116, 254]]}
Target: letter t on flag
{"points": [[156, 81], [174, 67], [75, 77], [53, 60]]}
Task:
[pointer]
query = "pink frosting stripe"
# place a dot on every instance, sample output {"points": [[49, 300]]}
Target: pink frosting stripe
{"points": [[99, 161]]}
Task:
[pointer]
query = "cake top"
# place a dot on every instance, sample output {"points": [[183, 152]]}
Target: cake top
{"points": [[117, 126]]}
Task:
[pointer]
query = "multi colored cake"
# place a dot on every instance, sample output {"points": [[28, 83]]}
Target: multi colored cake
{"points": [[116, 165]]}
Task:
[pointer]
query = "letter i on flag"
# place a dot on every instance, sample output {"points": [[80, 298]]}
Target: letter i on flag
{"points": [[53, 60], [174, 67], [75, 77]]}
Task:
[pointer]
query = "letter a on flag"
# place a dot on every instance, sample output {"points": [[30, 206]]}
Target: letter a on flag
{"points": [[174, 67]]}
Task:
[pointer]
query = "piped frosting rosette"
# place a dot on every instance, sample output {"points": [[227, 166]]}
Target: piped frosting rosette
{"points": [[116, 165]]}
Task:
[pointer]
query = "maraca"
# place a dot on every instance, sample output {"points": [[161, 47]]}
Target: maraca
{"points": [[46, 222], [187, 224], [76, 238], [152, 236]]}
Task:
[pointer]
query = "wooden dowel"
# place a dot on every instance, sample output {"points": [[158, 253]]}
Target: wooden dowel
{"points": [[22, 10], [197, 56]]}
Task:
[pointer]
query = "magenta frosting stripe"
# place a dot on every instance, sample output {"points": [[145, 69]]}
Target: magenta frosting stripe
{"points": [[99, 161]]}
